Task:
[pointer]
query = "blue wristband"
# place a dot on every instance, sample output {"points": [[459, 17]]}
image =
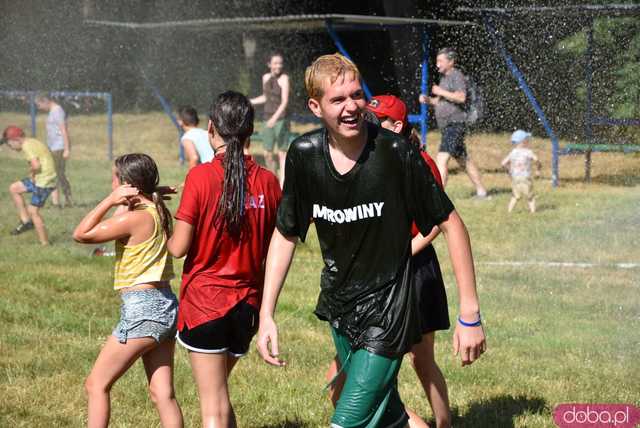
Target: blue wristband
{"points": [[471, 324]]}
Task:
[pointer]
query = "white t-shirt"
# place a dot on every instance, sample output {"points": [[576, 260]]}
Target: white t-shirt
{"points": [[520, 160], [200, 139], [55, 119]]}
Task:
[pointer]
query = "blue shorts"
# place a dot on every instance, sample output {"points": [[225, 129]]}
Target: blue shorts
{"points": [[453, 140], [151, 312], [39, 195]]}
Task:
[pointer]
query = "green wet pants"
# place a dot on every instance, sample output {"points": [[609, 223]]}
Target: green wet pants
{"points": [[370, 396]]}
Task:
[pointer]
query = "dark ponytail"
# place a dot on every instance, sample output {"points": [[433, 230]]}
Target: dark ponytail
{"points": [[163, 213], [232, 118], [140, 171]]}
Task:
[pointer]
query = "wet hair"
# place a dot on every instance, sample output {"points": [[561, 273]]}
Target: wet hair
{"points": [[274, 53], [140, 171], [451, 54], [232, 118], [327, 66], [188, 115]]}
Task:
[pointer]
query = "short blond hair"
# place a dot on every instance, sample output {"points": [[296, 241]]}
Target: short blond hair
{"points": [[331, 66]]}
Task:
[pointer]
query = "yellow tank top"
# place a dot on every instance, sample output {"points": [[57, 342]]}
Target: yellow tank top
{"points": [[146, 262]]}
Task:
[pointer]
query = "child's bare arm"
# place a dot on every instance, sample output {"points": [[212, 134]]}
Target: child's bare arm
{"points": [[180, 241], [420, 242], [93, 230], [505, 163], [34, 166], [538, 165], [469, 341], [191, 152]]}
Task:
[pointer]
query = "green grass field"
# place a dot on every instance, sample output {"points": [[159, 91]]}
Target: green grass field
{"points": [[555, 334]]}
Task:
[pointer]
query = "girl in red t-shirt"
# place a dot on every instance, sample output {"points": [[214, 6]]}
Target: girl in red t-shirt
{"points": [[223, 224]]}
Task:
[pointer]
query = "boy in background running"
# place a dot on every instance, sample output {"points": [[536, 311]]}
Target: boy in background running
{"points": [[40, 183]]}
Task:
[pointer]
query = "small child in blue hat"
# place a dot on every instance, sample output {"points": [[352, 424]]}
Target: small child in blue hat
{"points": [[519, 163]]}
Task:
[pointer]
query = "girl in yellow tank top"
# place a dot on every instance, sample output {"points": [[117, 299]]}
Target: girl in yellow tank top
{"points": [[145, 262], [140, 227]]}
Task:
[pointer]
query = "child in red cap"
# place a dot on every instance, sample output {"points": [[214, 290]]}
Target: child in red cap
{"points": [[40, 183]]}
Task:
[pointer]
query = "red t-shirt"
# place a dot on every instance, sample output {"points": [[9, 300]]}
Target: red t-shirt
{"points": [[436, 174], [219, 272]]}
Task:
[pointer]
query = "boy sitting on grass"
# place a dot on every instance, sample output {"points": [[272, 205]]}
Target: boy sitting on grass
{"points": [[519, 161], [40, 183]]}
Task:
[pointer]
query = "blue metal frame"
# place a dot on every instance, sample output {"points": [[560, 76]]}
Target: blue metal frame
{"points": [[336, 40], [424, 81], [168, 110], [102, 95], [422, 118], [515, 71], [607, 121]]}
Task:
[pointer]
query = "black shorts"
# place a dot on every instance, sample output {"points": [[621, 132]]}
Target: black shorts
{"points": [[232, 333], [432, 297], [453, 140]]}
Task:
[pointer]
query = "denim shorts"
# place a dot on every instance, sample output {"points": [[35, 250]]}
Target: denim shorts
{"points": [[39, 195], [151, 312]]}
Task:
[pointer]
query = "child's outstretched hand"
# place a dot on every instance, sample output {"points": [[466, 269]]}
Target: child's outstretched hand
{"points": [[123, 195], [166, 191]]}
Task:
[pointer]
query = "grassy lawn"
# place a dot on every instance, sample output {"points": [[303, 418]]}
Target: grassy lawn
{"points": [[555, 334]]}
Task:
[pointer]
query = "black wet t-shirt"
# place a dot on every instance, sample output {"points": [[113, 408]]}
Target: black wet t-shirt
{"points": [[363, 219]]}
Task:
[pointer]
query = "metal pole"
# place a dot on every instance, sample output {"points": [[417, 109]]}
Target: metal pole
{"points": [[343, 51], [32, 112], [588, 116], [168, 111], [424, 111], [513, 68], [109, 101]]}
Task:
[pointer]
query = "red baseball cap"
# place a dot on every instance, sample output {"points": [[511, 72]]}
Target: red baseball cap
{"points": [[388, 106], [11, 132]]}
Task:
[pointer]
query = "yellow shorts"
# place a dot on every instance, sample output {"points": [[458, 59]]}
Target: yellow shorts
{"points": [[522, 187]]}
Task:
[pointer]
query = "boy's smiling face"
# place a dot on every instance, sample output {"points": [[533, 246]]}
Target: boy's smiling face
{"points": [[340, 106]]}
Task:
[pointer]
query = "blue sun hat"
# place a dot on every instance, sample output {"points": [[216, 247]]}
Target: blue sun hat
{"points": [[519, 136]]}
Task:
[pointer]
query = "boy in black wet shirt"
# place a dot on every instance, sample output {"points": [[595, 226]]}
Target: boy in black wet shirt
{"points": [[363, 187]]}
